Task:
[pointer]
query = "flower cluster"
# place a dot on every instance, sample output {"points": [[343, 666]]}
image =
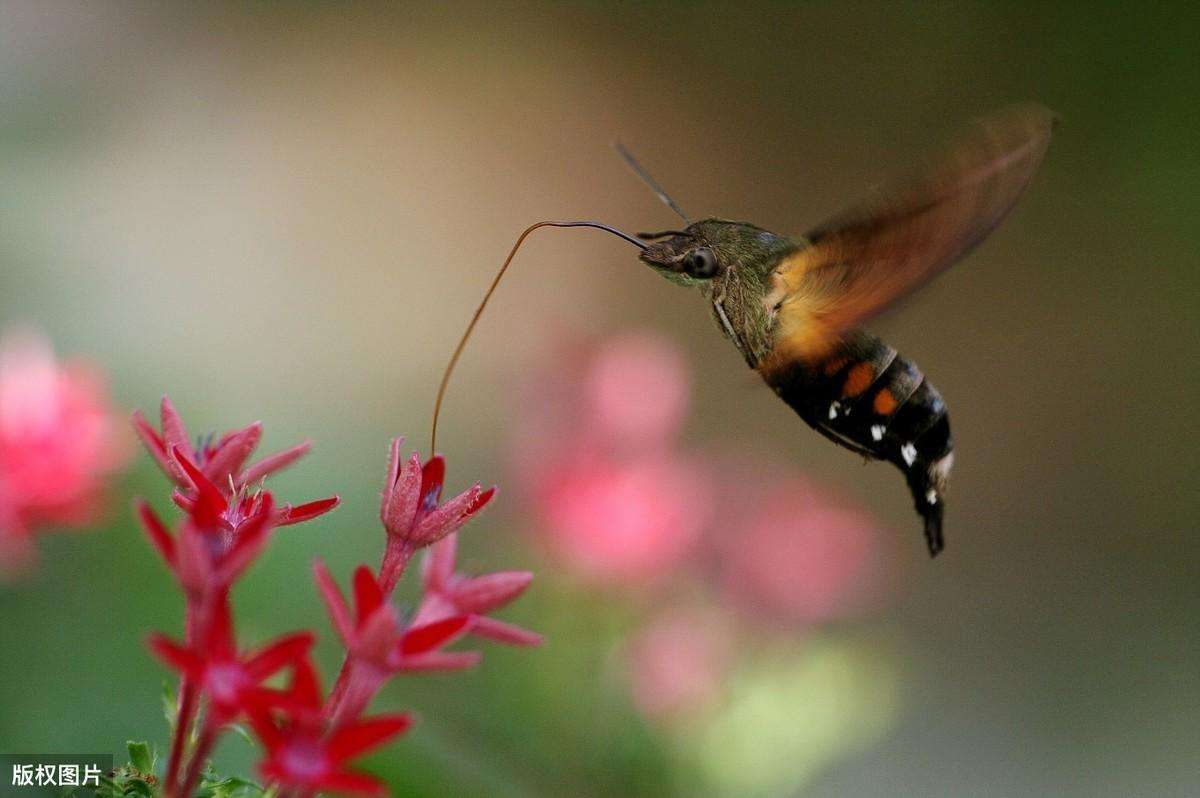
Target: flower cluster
{"points": [[622, 502], [309, 737], [60, 441]]}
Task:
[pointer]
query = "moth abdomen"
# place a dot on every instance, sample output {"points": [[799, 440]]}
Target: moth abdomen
{"points": [[867, 397]]}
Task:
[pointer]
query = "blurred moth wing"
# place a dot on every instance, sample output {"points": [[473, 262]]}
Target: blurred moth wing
{"points": [[865, 259]]}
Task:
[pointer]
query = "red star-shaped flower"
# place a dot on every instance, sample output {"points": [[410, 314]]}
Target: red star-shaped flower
{"points": [[411, 513], [375, 635], [223, 675], [222, 464], [449, 594], [379, 646], [301, 755]]}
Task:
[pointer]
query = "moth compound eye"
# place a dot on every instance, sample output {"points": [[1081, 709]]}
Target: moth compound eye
{"points": [[701, 263]]}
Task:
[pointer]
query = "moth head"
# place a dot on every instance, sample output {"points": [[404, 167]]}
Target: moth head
{"points": [[682, 256], [707, 250]]}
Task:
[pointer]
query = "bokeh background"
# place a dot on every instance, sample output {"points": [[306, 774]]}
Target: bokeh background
{"points": [[287, 211]]}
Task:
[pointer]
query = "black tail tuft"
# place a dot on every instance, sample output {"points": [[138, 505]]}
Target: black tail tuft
{"points": [[928, 501], [933, 527]]}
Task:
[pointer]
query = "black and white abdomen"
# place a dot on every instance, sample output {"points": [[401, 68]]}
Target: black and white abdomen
{"points": [[867, 397]]}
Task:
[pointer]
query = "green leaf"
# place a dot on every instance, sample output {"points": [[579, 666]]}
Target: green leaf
{"points": [[139, 756], [170, 704]]}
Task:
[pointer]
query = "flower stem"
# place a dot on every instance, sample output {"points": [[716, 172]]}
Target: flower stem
{"points": [[208, 737], [183, 724]]}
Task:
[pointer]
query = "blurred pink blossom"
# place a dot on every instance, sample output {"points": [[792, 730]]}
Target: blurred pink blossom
{"points": [[800, 555], [60, 441], [625, 521], [598, 456], [677, 662], [637, 389]]}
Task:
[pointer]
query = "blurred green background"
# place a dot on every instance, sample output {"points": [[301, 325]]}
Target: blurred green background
{"points": [[286, 211]]}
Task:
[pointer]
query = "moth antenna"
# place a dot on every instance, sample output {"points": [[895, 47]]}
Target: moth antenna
{"points": [[648, 180], [462, 342]]}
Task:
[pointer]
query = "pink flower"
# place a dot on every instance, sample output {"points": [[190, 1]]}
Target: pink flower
{"points": [[411, 513], [449, 594], [59, 444], [303, 755], [226, 678], [677, 663], [800, 555], [597, 454], [625, 521], [637, 390]]}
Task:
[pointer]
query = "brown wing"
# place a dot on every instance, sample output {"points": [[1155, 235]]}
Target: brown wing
{"points": [[864, 260]]}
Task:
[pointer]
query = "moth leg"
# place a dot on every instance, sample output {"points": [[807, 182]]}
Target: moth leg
{"points": [[717, 306]]}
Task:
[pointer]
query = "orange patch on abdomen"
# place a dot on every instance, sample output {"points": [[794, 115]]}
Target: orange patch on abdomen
{"points": [[859, 379], [885, 402], [834, 365]]}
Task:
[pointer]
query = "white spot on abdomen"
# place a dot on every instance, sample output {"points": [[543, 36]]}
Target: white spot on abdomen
{"points": [[877, 432], [909, 453]]}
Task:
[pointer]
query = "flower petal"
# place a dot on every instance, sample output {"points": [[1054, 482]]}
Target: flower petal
{"points": [[157, 532], [174, 434], [421, 639], [210, 502], [399, 508], [446, 519], [393, 469], [481, 500], [305, 688], [436, 661], [335, 602], [174, 655], [491, 629], [433, 477], [357, 738], [154, 444], [264, 727], [306, 512], [367, 595], [232, 452], [284, 651], [437, 568], [276, 462], [486, 593]]}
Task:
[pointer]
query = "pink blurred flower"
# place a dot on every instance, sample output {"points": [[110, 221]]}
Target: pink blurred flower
{"points": [[637, 390], [625, 521], [597, 455], [800, 555], [677, 662], [59, 444]]}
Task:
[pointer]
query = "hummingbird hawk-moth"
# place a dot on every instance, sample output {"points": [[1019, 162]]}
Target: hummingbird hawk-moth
{"points": [[794, 306]]}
